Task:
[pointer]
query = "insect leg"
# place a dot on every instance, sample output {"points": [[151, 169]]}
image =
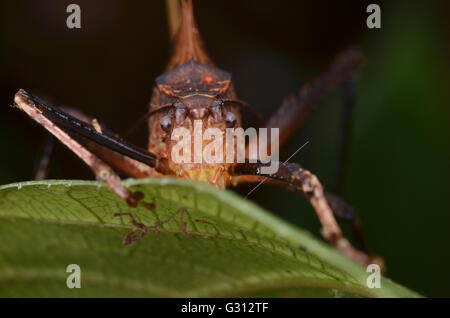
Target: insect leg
{"points": [[346, 213], [42, 168], [304, 182], [127, 165], [100, 169], [296, 108], [341, 209], [348, 107]]}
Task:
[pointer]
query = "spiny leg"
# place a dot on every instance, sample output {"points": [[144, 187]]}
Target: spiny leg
{"points": [[120, 162], [42, 170], [127, 165], [296, 108], [306, 183], [341, 209], [72, 132], [100, 169]]}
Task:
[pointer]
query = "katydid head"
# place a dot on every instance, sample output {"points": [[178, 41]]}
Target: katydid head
{"points": [[189, 131]]}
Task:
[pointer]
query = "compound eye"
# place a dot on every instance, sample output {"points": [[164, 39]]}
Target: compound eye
{"points": [[230, 120], [216, 111], [166, 124]]}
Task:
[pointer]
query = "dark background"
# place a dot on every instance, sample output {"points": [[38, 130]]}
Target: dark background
{"points": [[399, 164]]}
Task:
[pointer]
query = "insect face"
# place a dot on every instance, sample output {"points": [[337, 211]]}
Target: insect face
{"points": [[195, 115]]}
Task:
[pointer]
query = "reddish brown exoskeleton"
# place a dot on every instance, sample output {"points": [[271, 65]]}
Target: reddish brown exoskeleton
{"points": [[192, 88]]}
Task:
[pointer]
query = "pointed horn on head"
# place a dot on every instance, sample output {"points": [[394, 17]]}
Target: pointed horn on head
{"points": [[188, 41]]}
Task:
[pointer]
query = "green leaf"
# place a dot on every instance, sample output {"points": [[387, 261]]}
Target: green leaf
{"points": [[235, 248]]}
